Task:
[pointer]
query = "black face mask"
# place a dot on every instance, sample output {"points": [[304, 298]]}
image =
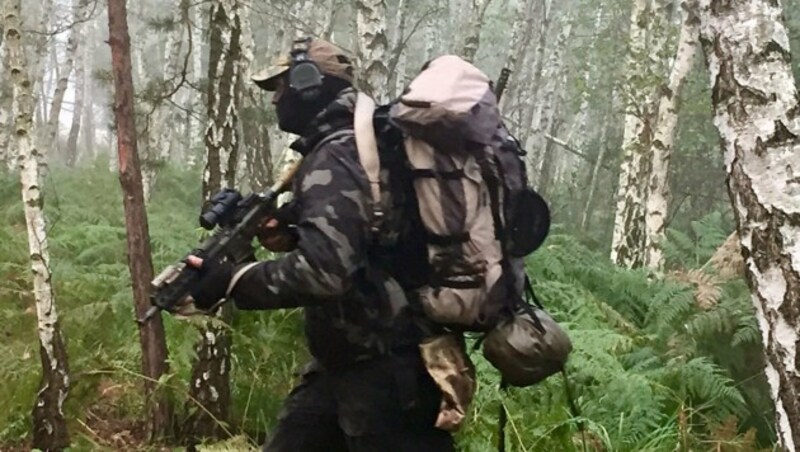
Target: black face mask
{"points": [[294, 113]]}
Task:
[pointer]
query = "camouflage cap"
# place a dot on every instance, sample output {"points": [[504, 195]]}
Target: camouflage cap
{"points": [[331, 60]]}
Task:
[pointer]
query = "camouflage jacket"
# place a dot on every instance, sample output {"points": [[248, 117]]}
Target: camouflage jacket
{"points": [[340, 271]]}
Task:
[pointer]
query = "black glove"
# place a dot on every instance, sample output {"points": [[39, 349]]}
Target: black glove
{"points": [[215, 276]]}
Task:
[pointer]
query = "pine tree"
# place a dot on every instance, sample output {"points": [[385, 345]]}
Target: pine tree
{"points": [[151, 333]]}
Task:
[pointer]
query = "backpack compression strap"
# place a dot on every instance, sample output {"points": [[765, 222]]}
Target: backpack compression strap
{"points": [[368, 151]]}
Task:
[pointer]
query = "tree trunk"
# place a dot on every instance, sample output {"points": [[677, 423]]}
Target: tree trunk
{"points": [[756, 113], [629, 237], [531, 96], [433, 31], [161, 129], [210, 384], [87, 125], [518, 46], [586, 216], [255, 119], [194, 103], [329, 20], [151, 333], [372, 48], [49, 424], [65, 70], [472, 39], [77, 35], [663, 138], [7, 160], [397, 63], [545, 110]]}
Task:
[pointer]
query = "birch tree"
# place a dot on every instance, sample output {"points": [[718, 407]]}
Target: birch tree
{"points": [[755, 106], [397, 63], [545, 112], [65, 70], [49, 424], [518, 45], [433, 32], [77, 35], [661, 146], [372, 47], [629, 237], [530, 95], [151, 333], [472, 39], [254, 125], [6, 115], [210, 384], [87, 116], [161, 130]]}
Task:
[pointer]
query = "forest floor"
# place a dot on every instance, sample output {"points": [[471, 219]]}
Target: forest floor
{"points": [[104, 429]]}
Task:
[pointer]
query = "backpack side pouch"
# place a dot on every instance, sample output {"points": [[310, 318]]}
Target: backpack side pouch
{"points": [[527, 348]]}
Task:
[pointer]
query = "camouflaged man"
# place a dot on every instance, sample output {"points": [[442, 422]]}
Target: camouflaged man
{"points": [[367, 388]]}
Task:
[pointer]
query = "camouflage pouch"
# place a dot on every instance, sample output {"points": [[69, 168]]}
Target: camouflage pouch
{"points": [[527, 348], [446, 360]]}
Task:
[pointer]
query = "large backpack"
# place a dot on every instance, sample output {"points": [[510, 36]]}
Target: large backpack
{"points": [[479, 214]]}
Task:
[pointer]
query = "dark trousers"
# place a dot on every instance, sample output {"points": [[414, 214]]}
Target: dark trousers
{"points": [[384, 405]]}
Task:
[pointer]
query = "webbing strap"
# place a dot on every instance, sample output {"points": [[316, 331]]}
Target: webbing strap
{"points": [[433, 174], [368, 150]]}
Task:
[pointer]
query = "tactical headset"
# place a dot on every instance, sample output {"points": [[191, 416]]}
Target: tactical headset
{"points": [[305, 77]]}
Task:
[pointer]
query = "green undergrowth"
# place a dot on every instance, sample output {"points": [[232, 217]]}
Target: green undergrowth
{"points": [[652, 369]]}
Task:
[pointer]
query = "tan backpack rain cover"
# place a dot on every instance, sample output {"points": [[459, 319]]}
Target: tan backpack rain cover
{"points": [[480, 220]]}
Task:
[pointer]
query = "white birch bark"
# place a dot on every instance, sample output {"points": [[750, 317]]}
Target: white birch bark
{"points": [[195, 104], [629, 237], [472, 38], [756, 113], [38, 65], [372, 48], [7, 161], [210, 384], [533, 90], [518, 45], [49, 425], [546, 106], [329, 20], [71, 154], [397, 65], [433, 31], [663, 137], [589, 86], [65, 70]]}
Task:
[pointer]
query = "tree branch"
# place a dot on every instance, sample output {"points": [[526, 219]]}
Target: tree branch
{"points": [[574, 151]]}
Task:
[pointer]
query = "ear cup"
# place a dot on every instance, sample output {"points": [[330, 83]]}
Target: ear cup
{"points": [[305, 79]]}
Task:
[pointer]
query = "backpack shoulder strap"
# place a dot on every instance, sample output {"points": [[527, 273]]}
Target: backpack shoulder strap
{"points": [[368, 150]]}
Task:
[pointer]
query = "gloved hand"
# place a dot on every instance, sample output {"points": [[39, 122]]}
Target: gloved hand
{"points": [[276, 236], [215, 276]]}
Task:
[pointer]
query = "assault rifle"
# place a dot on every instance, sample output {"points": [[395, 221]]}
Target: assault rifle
{"points": [[235, 220]]}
